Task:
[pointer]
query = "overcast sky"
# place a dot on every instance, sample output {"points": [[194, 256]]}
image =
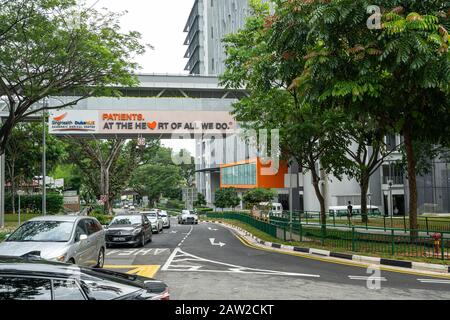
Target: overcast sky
{"points": [[161, 23]]}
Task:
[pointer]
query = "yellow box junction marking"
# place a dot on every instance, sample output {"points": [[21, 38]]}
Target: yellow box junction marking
{"points": [[148, 271]]}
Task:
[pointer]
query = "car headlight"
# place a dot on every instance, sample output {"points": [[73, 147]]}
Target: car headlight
{"points": [[61, 258], [136, 231]]}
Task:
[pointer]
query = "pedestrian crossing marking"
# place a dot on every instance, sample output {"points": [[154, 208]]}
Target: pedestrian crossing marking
{"points": [[147, 271]]}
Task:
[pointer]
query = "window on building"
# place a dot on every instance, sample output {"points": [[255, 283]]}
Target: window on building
{"points": [[391, 142], [239, 175], [393, 172]]}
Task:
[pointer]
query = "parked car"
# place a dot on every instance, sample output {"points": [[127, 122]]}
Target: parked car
{"points": [[188, 217], [165, 218], [71, 239], [34, 279], [156, 221], [132, 229]]}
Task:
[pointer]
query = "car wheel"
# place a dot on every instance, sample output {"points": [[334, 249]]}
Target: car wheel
{"points": [[71, 261], [101, 259]]}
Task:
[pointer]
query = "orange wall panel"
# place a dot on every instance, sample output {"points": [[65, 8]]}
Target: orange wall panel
{"points": [[274, 180], [271, 181]]}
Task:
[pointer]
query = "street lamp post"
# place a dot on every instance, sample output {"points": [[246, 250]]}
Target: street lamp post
{"points": [[44, 165], [391, 183]]}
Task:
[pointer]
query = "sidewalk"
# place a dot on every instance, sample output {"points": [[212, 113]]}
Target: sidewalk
{"points": [[375, 230]]}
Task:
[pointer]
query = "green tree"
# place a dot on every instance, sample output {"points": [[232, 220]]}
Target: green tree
{"points": [[366, 151], [308, 135], [201, 200], [226, 198], [24, 155], [108, 165], [254, 197], [49, 47], [156, 180], [398, 74], [70, 173]]}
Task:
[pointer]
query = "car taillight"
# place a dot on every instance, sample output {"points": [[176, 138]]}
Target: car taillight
{"points": [[165, 296]]}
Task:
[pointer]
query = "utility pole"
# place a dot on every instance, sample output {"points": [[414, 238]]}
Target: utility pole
{"points": [[44, 165]]}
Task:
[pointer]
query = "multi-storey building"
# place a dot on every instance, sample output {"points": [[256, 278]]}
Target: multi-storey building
{"points": [[209, 21]]}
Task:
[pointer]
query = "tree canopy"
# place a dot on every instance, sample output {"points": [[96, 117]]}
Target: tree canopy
{"points": [[50, 48], [320, 59]]}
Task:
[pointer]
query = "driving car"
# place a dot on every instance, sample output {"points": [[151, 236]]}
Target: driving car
{"points": [[156, 221], [131, 229], [165, 218], [31, 278], [188, 217], [71, 239]]}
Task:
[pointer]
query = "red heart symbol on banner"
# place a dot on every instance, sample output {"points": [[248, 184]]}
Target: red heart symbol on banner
{"points": [[152, 125]]}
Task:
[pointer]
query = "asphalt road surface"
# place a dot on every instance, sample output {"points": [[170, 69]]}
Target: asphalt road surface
{"points": [[208, 262]]}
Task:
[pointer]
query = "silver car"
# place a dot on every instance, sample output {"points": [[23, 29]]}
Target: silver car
{"points": [[165, 218], [155, 220], [68, 239]]}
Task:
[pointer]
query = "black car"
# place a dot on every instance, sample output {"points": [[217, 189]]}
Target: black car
{"points": [[132, 229], [35, 279]]}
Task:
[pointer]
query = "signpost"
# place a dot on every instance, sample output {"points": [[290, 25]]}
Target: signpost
{"points": [[291, 182]]}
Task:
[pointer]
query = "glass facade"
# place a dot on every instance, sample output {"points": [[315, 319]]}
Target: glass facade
{"points": [[244, 174], [434, 189]]}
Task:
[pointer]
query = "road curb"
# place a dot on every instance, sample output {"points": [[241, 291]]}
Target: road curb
{"points": [[420, 266]]}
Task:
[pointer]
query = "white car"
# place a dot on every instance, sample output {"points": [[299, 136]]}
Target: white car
{"points": [[165, 218], [188, 217], [155, 220]]}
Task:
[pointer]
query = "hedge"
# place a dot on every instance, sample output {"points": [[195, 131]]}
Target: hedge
{"points": [[33, 203], [103, 219]]}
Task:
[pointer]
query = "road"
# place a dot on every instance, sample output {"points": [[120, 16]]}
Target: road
{"points": [[208, 262]]}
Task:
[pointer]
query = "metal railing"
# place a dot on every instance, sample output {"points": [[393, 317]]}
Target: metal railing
{"points": [[384, 241], [429, 225]]}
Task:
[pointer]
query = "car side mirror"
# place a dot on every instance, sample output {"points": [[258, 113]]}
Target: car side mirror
{"points": [[7, 236], [83, 237]]}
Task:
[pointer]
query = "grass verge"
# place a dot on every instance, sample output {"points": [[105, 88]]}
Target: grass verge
{"points": [[265, 237]]}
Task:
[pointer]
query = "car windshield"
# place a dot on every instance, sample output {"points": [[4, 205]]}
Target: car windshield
{"points": [[126, 220], [43, 231], [151, 216], [163, 214]]}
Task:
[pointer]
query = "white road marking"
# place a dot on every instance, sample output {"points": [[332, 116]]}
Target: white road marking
{"points": [[221, 244], [212, 229], [231, 267], [187, 235], [434, 281], [136, 252], [365, 278]]}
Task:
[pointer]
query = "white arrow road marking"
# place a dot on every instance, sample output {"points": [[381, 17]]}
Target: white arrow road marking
{"points": [[221, 244], [367, 278], [434, 281], [212, 229], [174, 231], [231, 267]]}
